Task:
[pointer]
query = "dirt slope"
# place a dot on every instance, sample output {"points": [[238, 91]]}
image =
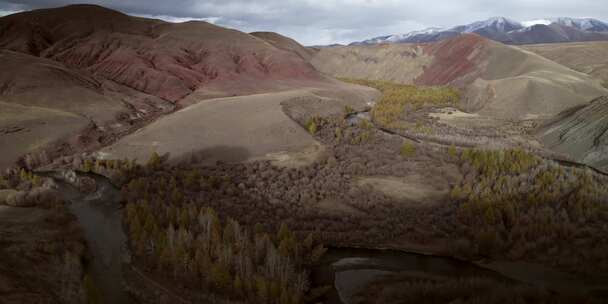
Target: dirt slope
{"points": [[26, 129], [394, 62], [285, 43], [34, 81], [586, 57], [497, 80], [110, 73], [581, 133], [241, 128], [523, 85], [45, 103]]}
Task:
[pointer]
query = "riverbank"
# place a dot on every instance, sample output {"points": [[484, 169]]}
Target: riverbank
{"points": [[99, 213]]}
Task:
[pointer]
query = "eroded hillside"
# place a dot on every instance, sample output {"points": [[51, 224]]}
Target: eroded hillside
{"points": [[581, 132], [497, 80], [112, 74]]}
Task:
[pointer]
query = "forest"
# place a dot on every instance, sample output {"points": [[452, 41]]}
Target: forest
{"points": [[188, 241], [519, 206]]}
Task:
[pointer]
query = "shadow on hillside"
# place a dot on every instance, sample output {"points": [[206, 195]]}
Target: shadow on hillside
{"points": [[210, 156]]}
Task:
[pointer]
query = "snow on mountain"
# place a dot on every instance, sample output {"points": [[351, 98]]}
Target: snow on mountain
{"points": [[401, 37], [508, 31], [500, 24], [535, 22], [585, 24]]}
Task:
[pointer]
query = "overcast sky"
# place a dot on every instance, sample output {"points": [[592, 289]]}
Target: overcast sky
{"points": [[336, 21]]}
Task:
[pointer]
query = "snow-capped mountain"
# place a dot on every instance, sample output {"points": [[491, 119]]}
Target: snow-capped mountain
{"points": [[546, 30], [428, 31], [498, 24], [426, 35], [584, 24]]}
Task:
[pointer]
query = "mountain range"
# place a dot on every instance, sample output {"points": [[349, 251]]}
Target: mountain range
{"points": [[505, 30]]}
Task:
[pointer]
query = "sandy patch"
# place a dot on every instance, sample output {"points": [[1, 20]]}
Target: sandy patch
{"points": [[335, 207], [413, 188], [227, 129], [463, 120], [294, 159], [449, 114]]}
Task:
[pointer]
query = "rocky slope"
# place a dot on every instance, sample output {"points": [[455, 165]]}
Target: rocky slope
{"points": [[581, 132]]}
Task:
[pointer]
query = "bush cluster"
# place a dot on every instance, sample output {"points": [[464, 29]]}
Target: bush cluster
{"points": [[519, 206], [397, 99]]}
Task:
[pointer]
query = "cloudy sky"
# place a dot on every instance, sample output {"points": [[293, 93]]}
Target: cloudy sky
{"points": [[335, 21]]}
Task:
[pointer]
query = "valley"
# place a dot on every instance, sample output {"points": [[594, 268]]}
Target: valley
{"points": [[145, 161]]}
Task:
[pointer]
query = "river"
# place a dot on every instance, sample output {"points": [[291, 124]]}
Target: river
{"points": [[349, 270], [100, 215]]}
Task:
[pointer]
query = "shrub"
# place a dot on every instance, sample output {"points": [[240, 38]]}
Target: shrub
{"points": [[92, 292], [154, 161], [348, 110], [408, 150], [365, 124], [37, 181], [88, 166], [311, 126], [339, 133], [3, 183]]}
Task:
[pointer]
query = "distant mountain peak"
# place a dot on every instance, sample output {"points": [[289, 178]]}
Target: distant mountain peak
{"points": [[502, 20], [398, 37], [500, 24], [584, 24], [507, 30]]}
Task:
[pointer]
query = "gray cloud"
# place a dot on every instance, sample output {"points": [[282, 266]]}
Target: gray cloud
{"points": [[330, 21]]}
